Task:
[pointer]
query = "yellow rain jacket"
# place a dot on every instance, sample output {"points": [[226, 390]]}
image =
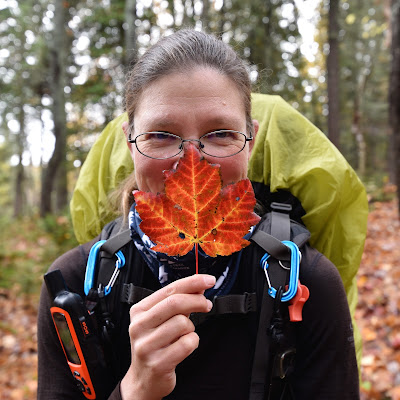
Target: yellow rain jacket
{"points": [[290, 153]]}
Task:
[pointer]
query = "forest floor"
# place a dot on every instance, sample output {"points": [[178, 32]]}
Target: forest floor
{"points": [[378, 316]]}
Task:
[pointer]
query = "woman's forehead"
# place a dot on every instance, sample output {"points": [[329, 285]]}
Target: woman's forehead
{"points": [[202, 94]]}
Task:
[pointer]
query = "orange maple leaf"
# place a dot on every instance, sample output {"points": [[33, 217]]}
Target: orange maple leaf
{"points": [[194, 210]]}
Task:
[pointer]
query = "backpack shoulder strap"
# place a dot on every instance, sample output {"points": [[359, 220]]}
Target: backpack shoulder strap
{"points": [[265, 367]]}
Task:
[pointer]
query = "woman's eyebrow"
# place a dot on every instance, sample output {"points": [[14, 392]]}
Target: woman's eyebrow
{"points": [[211, 122], [226, 119]]}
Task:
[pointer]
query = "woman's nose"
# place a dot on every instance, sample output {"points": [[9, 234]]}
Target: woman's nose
{"points": [[184, 148], [195, 143], [189, 141]]}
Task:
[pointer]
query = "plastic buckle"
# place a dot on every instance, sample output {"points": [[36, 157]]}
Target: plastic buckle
{"points": [[295, 257], [283, 207]]}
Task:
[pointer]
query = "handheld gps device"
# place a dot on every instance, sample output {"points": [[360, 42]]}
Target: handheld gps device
{"points": [[76, 332]]}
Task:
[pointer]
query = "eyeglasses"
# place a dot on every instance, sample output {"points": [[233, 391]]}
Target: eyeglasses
{"points": [[162, 145]]}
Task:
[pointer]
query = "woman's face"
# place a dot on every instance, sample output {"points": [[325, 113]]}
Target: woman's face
{"points": [[189, 105]]}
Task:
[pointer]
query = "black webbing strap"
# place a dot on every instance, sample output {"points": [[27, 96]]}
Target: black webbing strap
{"points": [[112, 245], [280, 222], [234, 304], [107, 255], [275, 247], [229, 304], [280, 230], [302, 238], [261, 361], [132, 294]]}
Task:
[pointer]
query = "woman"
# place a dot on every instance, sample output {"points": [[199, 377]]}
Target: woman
{"points": [[191, 88]]}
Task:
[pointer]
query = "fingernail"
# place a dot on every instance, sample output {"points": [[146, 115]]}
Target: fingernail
{"points": [[209, 305], [209, 280]]}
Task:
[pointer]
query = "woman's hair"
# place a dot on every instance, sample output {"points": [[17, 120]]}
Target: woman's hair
{"points": [[182, 51]]}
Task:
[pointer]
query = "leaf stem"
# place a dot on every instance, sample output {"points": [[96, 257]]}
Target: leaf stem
{"points": [[196, 249]]}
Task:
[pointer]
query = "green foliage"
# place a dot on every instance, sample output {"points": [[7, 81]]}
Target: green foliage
{"points": [[28, 246]]}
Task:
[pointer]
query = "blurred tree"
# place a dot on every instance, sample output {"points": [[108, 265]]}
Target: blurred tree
{"points": [[55, 174], [363, 74], [188, 13], [394, 93], [332, 67], [205, 15], [266, 34], [130, 32], [20, 77], [20, 170]]}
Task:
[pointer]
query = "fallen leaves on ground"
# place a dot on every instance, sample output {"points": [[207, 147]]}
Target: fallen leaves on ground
{"points": [[378, 311], [18, 345], [378, 316]]}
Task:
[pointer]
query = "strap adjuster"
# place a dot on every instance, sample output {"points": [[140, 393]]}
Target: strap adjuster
{"points": [[283, 207]]}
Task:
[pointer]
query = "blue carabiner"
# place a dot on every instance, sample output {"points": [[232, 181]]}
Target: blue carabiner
{"points": [[118, 265], [91, 268], [294, 271]]}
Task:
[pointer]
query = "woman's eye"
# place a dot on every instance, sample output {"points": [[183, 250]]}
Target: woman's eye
{"points": [[160, 137], [220, 135]]}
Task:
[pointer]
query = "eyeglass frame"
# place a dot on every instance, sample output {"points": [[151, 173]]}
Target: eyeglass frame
{"points": [[201, 145]]}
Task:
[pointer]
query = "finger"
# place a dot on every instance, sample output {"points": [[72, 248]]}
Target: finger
{"points": [[169, 357], [164, 335], [177, 304], [192, 284]]}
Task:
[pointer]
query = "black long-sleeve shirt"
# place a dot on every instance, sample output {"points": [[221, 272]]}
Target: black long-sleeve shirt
{"points": [[221, 367]]}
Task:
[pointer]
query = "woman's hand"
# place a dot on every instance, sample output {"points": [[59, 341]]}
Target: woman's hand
{"points": [[162, 336]]}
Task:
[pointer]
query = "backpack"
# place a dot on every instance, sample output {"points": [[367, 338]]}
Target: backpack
{"points": [[275, 344], [290, 157]]}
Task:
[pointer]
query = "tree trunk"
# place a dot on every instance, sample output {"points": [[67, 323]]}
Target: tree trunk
{"points": [[268, 62], [221, 20], [130, 33], [171, 8], [205, 15], [333, 74], [188, 21], [394, 93], [356, 126], [57, 83], [359, 136], [20, 171], [61, 187]]}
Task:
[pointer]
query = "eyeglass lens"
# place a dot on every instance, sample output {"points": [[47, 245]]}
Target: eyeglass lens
{"points": [[224, 143]]}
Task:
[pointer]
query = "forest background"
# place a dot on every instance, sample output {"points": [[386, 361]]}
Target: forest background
{"points": [[62, 67]]}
